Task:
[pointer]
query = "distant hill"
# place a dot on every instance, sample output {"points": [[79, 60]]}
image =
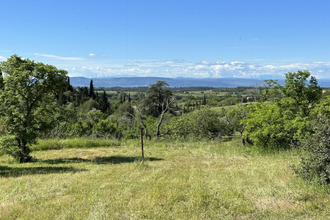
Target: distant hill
{"points": [[174, 82]]}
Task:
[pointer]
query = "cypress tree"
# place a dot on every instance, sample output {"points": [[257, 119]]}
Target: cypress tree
{"points": [[204, 100], [121, 98], [104, 103], [91, 90]]}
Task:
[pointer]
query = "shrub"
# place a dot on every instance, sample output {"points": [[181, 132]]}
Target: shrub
{"points": [[203, 123], [317, 162]]}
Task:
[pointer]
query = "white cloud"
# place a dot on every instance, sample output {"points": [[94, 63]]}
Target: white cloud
{"points": [[57, 57], [92, 55], [2, 58], [182, 68]]}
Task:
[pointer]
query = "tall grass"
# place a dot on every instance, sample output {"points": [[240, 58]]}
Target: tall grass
{"points": [[178, 180]]}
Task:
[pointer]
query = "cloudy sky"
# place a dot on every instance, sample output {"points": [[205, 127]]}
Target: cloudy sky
{"points": [[170, 38]]}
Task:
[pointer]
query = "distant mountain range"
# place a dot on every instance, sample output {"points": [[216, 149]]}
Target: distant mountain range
{"points": [[175, 82]]}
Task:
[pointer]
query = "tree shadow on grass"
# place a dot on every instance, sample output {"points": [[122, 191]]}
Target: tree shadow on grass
{"points": [[6, 171], [100, 160]]}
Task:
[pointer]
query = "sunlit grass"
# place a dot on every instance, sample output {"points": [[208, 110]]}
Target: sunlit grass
{"points": [[180, 180]]}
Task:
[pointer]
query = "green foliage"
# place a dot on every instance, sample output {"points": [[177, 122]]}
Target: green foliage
{"points": [[203, 123], [157, 97], [27, 100], [282, 122], [8, 145], [229, 101], [91, 92], [322, 108], [125, 120], [265, 125], [235, 117], [104, 128], [104, 104], [317, 163], [304, 95], [85, 123]]}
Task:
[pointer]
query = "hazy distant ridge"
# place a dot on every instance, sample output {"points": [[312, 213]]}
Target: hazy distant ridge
{"points": [[174, 82]]}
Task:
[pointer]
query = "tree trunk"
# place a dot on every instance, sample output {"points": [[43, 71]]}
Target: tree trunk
{"points": [[142, 150], [24, 155], [159, 124]]}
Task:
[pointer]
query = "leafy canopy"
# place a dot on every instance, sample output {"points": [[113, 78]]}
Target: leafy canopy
{"points": [[284, 119], [27, 99], [158, 96]]}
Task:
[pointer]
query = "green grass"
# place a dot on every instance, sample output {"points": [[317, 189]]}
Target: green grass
{"points": [[180, 180]]}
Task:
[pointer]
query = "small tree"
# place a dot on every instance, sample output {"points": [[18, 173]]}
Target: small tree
{"points": [[27, 100], [158, 97], [158, 102]]}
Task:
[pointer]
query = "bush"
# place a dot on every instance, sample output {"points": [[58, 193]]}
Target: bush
{"points": [[203, 123], [317, 162]]}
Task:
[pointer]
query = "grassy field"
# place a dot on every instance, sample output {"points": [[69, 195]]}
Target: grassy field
{"points": [[200, 180]]}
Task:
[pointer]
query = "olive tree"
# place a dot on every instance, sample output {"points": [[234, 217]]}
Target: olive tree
{"points": [[27, 100]]}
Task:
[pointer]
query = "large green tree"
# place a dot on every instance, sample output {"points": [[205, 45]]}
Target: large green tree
{"points": [[284, 119], [27, 100]]}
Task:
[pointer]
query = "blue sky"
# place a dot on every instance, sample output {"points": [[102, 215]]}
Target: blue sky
{"points": [[170, 38]]}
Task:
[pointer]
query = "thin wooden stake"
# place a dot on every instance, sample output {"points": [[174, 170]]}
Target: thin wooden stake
{"points": [[141, 132]]}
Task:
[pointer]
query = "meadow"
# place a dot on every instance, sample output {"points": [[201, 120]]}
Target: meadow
{"points": [[178, 180]]}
